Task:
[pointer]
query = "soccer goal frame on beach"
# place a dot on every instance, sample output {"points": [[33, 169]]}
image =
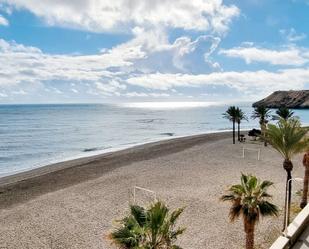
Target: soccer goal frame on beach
{"points": [[251, 149], [137, 188]]}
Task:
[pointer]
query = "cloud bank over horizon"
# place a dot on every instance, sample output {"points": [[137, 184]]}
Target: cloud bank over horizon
{"points": [[174, 50], [121, 15]]}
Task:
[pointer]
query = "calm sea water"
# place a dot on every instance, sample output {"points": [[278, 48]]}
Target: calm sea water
{"points": [[35, 135]]}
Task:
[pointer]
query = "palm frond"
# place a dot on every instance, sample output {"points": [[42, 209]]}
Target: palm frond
{"points": [[262, 113], [231, 113], [175, 214], [228, 197], [154, 227], [250, 199], [176, 247], [139, 215], [268, 209], [266, 184], [235, 210], [283, 113], [287, 137]]}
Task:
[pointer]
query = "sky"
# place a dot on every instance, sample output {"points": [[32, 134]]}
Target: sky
{"points": [[98, 51]]}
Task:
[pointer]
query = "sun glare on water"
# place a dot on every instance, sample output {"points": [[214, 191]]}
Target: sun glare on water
{"points": [[169, 105]]}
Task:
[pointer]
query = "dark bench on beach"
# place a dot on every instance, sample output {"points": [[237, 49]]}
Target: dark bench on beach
{"points": [[242, 138]]}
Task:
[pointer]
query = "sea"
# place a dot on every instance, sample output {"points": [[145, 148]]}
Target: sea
{"points": [[32, 136]]}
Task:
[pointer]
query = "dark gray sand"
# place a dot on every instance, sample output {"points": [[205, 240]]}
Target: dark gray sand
{"points": [[74, 204]]}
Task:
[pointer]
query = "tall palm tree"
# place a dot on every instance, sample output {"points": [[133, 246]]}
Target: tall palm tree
{"points": [[152, 228], [240, 116], [284, 113], [231, 114], [288, 138], [250, 200], [306, 180], [262, 113]]}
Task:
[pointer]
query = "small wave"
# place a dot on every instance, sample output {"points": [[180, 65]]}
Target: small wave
{"points": [[95, 149], [168, 134], [90, 149], [224, 129], [150, 120]]}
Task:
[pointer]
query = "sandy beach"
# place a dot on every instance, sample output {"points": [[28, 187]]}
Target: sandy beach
{"points": [[74, 204]]}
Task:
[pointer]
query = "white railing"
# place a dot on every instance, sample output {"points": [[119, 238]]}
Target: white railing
{"points": [[294, 232]]}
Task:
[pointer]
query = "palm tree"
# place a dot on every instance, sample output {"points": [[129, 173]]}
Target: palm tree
{"points": [[152, 228], [231, 114], [250, 200], [240, 115], [288, 138], [284, 113], [262, 113], [306, 180]]}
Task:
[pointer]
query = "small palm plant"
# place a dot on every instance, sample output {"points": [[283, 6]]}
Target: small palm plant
{"points": [[306, 180], [284, 113], [152, 228], [263, 114], [240, 116], [250, 200], [231, 114], [289, 139]]}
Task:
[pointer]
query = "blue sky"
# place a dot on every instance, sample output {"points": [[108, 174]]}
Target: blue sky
{"points": [[160, 50]]}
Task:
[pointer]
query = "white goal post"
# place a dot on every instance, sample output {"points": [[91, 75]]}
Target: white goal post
{"points": [[251, 149], [136, 188]]}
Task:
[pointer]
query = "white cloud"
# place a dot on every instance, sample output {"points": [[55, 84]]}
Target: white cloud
{"points": [[125, 70], [106, 15], [301, 1], [110, 88], [257, 83], [30, 69], [292, 56], [19, 92], [29, 64], [149, 51], [143, 94], [3, 95], [105, 73], [154, 52], [136, 94], [3, 21], [291, 35]]}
